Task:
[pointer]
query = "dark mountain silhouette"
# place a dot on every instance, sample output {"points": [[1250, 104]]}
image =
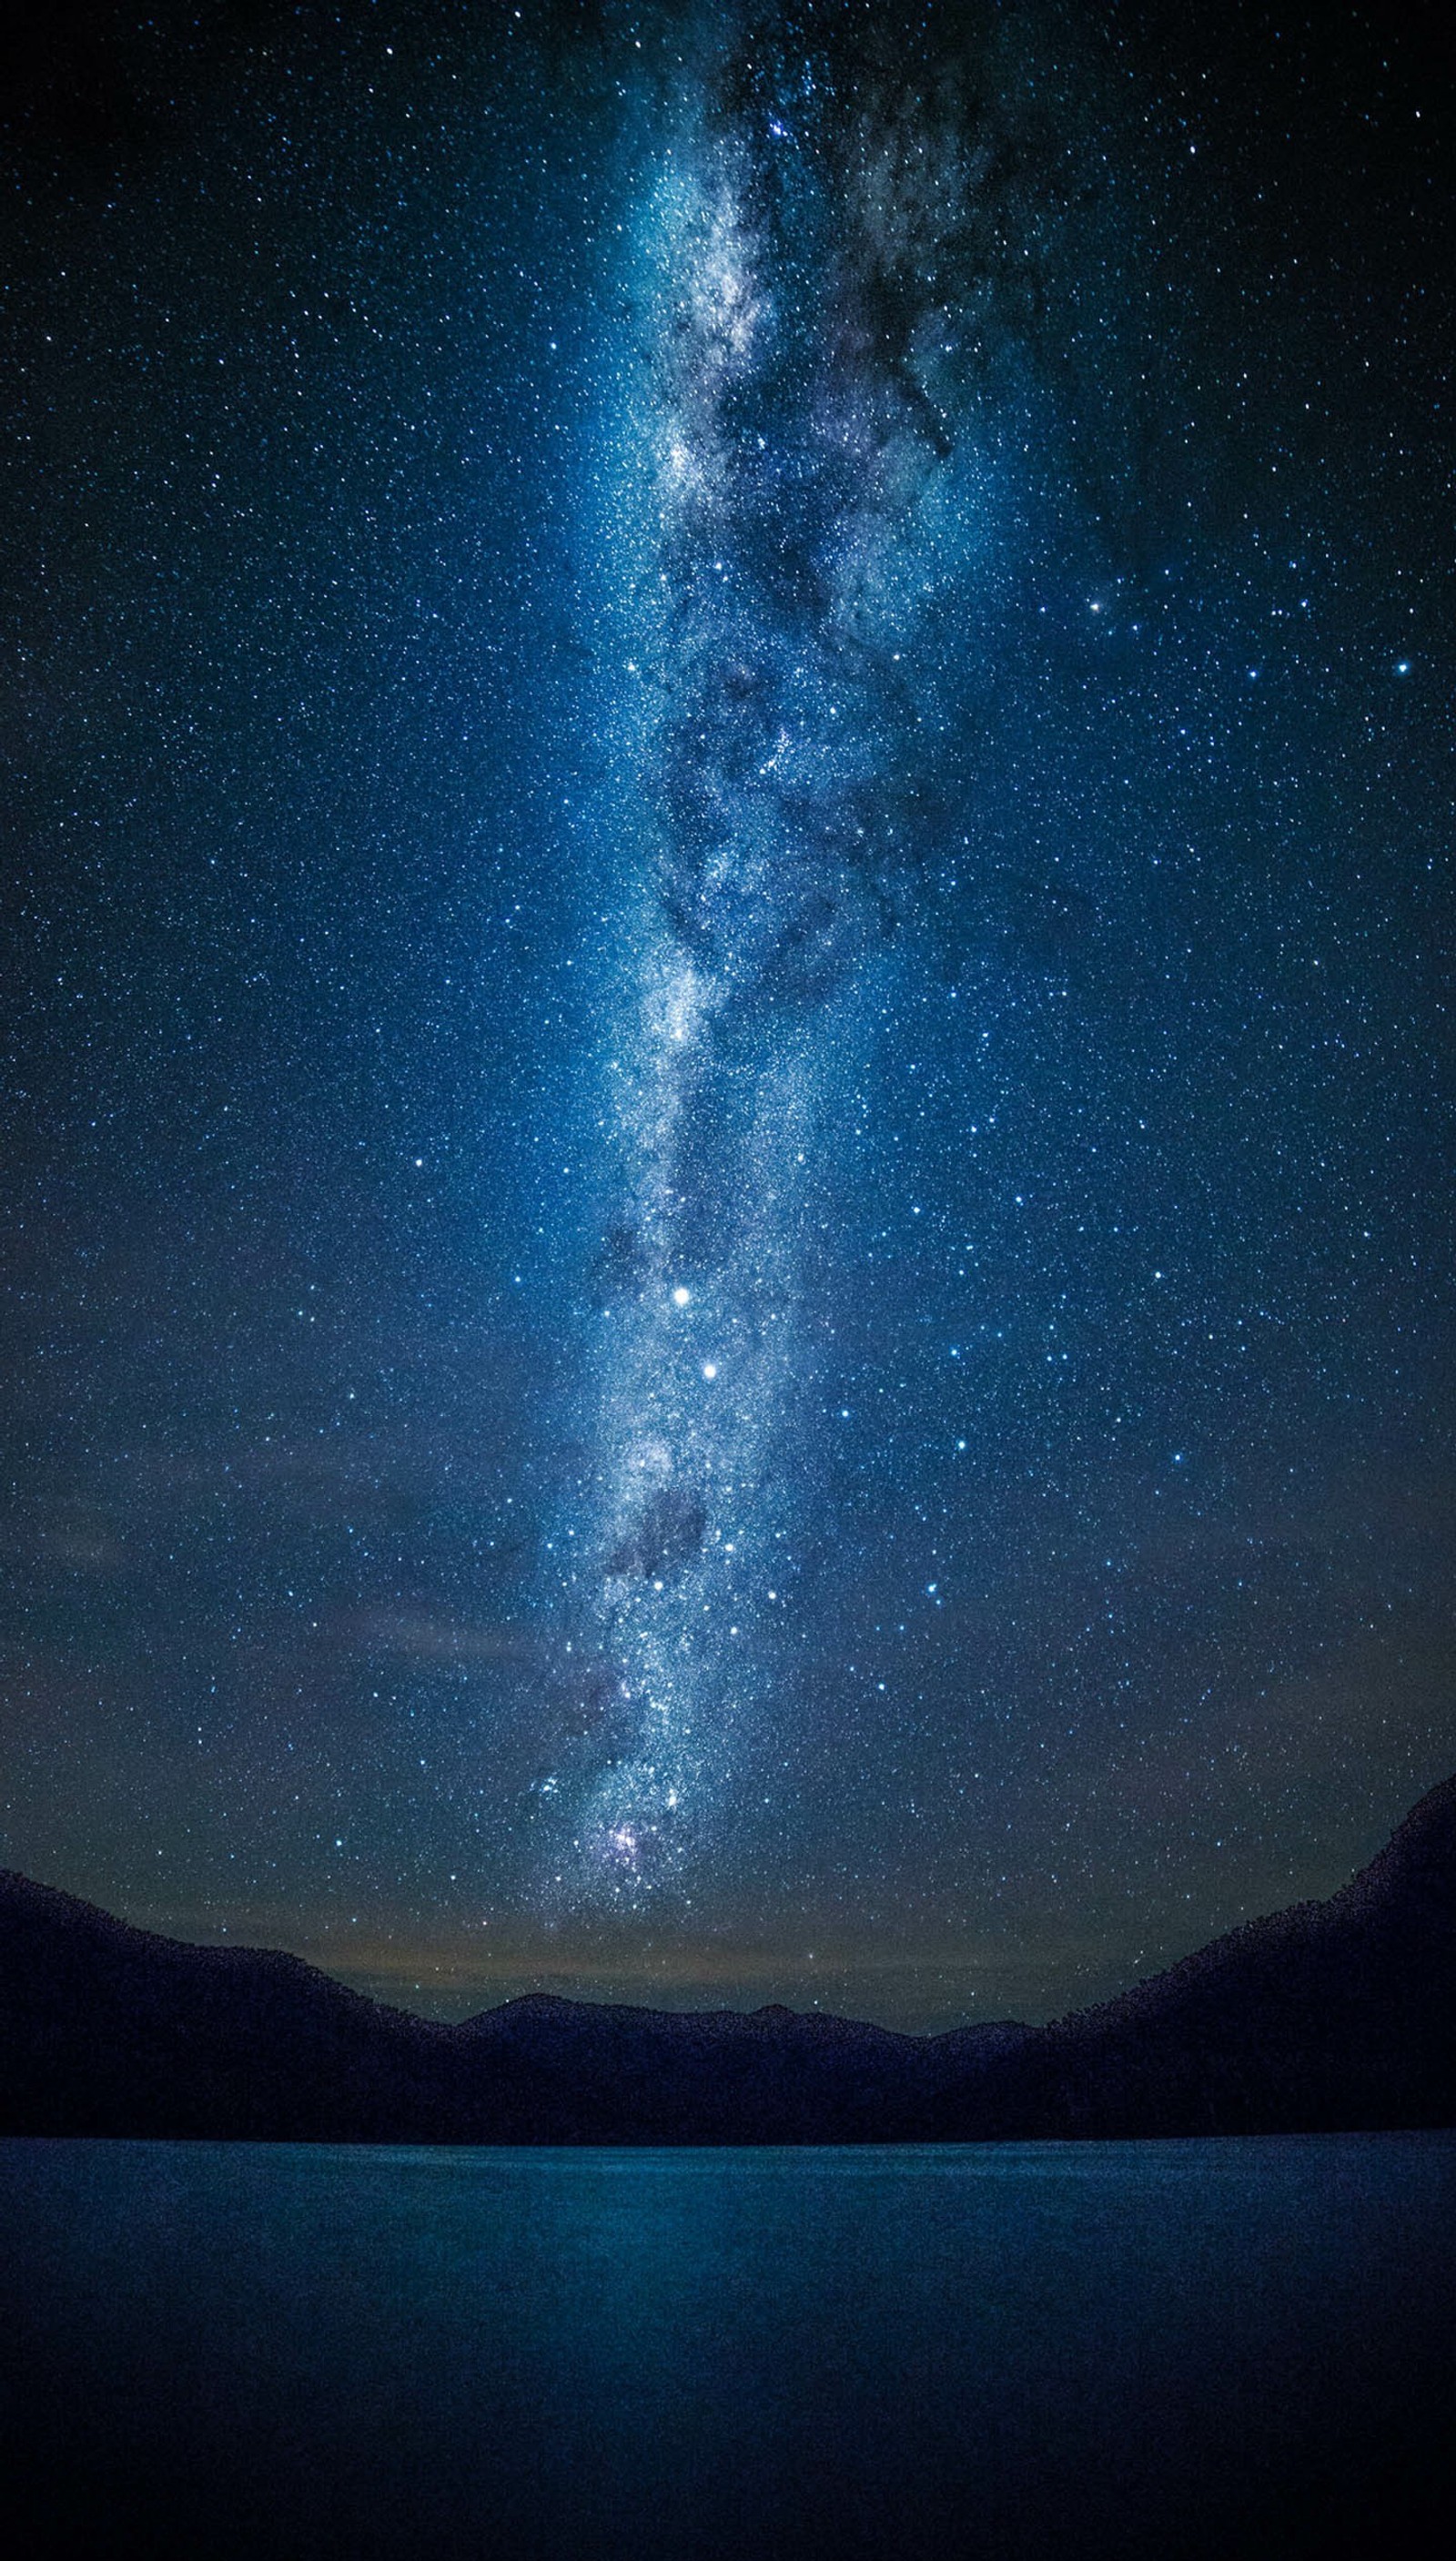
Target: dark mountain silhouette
{"points": [[1334, 2015]]}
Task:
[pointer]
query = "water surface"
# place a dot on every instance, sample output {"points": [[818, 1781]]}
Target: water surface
{"points": [[1220, 2348]]}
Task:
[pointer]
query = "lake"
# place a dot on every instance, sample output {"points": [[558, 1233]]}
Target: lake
{"points": [[1220, 2348]]}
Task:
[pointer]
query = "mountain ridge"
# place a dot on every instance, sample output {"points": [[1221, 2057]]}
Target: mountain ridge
{"points": [[1338, 2014]]}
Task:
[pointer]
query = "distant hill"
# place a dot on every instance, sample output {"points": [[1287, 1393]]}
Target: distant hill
{"points": [[1330, 2017]]}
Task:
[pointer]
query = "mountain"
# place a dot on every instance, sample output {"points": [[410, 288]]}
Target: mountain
{"points": [[1339, 2014], [1333, 2016]]}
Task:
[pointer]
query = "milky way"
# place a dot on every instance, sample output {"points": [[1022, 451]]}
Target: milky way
{"points": [[822, 247]]}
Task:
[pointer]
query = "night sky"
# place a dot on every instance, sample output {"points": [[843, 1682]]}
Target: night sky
{"points": [[727, 1069]]}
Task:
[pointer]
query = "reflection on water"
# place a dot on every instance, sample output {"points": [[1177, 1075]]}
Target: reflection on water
{"points": [[1218, 2349]]}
